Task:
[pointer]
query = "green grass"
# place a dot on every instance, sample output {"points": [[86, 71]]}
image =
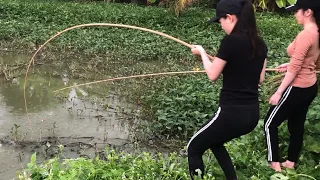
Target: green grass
{"points": [[33, 22]]}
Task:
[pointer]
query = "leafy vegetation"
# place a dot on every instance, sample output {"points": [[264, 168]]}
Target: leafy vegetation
{"points": [[180, 6], [111, 164], [174, 106], [31, 23], [272, 4]]}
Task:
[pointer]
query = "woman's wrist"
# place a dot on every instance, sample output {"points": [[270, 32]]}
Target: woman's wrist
{"points": [[279, 92], [203, 52]]}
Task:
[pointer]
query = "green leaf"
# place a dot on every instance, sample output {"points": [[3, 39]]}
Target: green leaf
{"points": [[30, 165], [291, 1], [278, 176], [314, 147], [33, 158], [317, 127], [281, 3], [171, 166], [291, 171]]}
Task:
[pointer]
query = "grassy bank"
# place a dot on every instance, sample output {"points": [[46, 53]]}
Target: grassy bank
{"points": [[30, 23], [112, 164], [176, 106]]}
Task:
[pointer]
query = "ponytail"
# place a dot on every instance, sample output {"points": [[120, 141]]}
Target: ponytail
{"points": [[247, 23], [316, 14]]}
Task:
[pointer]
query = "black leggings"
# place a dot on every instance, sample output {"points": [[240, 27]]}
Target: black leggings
{"points": [[293, 106], [229, 122]]}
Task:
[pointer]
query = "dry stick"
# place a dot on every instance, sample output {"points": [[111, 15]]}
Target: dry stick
{"points": [[109, 25]]}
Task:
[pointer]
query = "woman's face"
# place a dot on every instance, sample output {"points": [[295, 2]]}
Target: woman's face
{"points": [[302, 16], [299, 14]]}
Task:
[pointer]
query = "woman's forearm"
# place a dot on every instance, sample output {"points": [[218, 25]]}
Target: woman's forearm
{"points": [[207, 64], [289, 77]]}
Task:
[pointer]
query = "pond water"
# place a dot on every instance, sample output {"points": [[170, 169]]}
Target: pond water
{"points": [[84, 122]]}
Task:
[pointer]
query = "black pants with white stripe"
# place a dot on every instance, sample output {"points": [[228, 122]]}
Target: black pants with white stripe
{"points": [[229, 122], [293, 106]]}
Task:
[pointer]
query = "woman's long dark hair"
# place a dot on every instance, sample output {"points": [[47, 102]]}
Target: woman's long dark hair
{"points": [[247, 23], [316, 15]]}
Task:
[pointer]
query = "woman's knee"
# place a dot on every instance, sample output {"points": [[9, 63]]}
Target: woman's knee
{"points": [[191, 151]]}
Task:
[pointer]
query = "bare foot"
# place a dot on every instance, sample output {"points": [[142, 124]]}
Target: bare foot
{"points": [[275, 166], [288, 164]]}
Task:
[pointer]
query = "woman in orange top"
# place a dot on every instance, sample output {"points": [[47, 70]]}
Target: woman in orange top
{"points": [[299, 86]]}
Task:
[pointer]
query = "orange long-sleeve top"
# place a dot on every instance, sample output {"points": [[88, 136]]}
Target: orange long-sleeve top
{"points": [[304, 57]]}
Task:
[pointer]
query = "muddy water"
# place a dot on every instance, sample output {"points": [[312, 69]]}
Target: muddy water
{"points": [[84, 122]]}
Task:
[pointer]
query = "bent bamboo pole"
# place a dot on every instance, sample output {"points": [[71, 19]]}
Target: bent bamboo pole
{"points": [[112, 79], [89, 25]]}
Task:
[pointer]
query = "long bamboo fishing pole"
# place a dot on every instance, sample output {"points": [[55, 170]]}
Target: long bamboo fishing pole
{"points": [[112, 79], [90, 25]]}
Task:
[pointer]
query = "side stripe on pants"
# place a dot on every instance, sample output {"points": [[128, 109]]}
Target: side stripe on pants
{"points": [[273, 113], [205, 127]]}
